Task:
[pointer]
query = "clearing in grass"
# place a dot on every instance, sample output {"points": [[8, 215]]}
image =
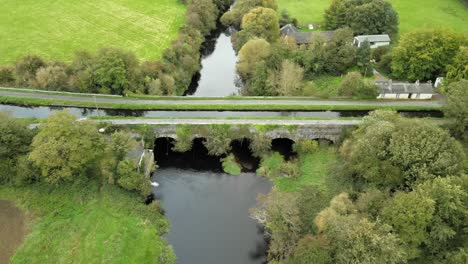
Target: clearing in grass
{"points": [[56, 29], [413, 14], [85, 223]]}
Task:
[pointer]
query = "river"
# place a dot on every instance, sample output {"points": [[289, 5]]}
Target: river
{"points": [[209, 215], [218, 76]]}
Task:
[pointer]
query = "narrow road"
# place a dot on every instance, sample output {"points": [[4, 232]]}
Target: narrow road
{"points": [[188, 101]]}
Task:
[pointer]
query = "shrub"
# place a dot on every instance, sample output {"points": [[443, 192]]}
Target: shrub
{"points": [[184, 138], [230, 165], [7, 77], [354, 85], [52, 78], [379, 52], [26, 68], [260, 145], [305, 146], [271, 165]]}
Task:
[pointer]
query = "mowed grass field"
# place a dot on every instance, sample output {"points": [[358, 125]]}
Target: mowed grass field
{"points": [[413, 13], [56, 29]]}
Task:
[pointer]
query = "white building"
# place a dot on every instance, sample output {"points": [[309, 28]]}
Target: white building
{"points": [[405, 90], [374, 40]]}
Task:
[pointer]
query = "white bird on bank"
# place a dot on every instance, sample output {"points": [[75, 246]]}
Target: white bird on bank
{"points": [[155, 184]]}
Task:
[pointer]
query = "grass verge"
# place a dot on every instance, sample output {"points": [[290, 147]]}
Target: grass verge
{"points": [[84, 223], [314, 170]]}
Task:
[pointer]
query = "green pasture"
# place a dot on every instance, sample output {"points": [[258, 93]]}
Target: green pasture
{"points": [[56, 29], [413, 13]]}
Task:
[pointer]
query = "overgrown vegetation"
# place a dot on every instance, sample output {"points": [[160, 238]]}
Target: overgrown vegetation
{"points": [[397, 194], [116, 71], [230, 165], [81, 187]]}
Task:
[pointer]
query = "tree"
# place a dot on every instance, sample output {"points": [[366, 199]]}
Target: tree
{"points": [[356, 239], [290, 78], [311, 249], [7, 75], [114, 71], [130, 179], [364, 17], [458, 70], [335, 15], [393, 152], [263, 23], [15, 137], [372, 17], [65, 149], [410, 214], [363, 57], [457, 108], [424, 54], [202, 14], [251, 54], [311, 200], [340, 54], [279, 212]]}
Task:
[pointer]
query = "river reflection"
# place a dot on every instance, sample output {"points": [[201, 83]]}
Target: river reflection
{"points": [[209, 215]]}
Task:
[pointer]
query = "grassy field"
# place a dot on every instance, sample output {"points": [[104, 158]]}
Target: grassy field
{"points": [[413, 13], [87, 224], [56, 29], [314, 169]]}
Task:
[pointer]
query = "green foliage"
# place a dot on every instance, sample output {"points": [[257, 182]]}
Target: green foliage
{"points": [[311, 200], [271, 165], [218, 140], [363, 57], [241, 7], [129, 178], [15, 137], [252, 53], [89, 223], [65, 148], [305, 146], [260, 145], [7, 75], [184, 138], [363, 17], [458, 70], [410, 214], [230, 165], [424, 54], [280, 214], [26, 68], [354, 85], [311, 249], [390, 151], [53, 77], [262, 22], [457, 108]]}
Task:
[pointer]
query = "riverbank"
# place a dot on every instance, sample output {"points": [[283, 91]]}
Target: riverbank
{"points": [[12, 229], [88, 223]]}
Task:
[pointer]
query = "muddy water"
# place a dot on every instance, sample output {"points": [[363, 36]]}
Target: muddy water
{"points": [[12, 230]]}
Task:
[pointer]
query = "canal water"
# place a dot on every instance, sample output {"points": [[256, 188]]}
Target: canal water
{"points": [[218, 76], [44, 112]]}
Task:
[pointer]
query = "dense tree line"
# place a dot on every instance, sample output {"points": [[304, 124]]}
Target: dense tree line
{"points": [[64, 150], [402, 199], [364, 17], [115, 71]]}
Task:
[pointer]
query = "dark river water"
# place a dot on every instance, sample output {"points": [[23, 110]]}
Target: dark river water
{"points": [[218, 76], [44, 112], [209, 215]]}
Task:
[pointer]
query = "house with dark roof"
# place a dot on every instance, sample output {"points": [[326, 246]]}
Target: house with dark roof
{"points": [[305, 37], [374, 40], [404, 90]]}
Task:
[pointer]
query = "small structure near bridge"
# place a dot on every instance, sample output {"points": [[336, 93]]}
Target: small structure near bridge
{"points": [[404, 90]]}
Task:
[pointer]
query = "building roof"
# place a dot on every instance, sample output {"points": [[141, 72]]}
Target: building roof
{"points": [[305, 37], [390, 87], [288, 29], [373, 38]]}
